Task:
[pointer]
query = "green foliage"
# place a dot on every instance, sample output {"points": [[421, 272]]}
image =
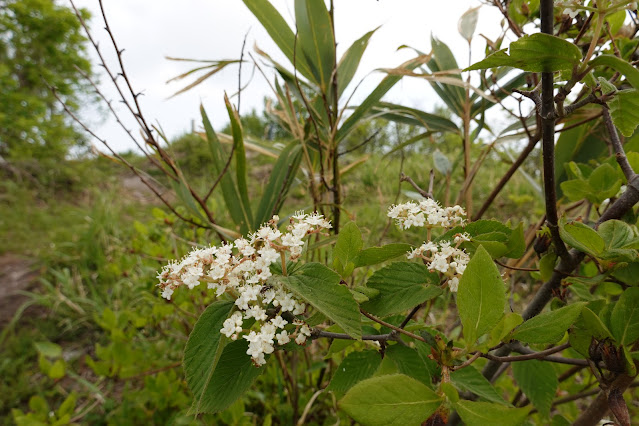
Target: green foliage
{"points": [[41, 45], [391, 400], [548, 327], [538, 380], [481, 297]]}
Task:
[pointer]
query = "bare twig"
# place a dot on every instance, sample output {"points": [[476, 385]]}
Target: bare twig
{"points": [[620, 155], [392, 327], [425, 194]]}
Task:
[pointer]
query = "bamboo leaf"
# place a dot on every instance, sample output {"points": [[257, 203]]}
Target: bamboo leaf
{"points": [[349, 63], [280, 32]]}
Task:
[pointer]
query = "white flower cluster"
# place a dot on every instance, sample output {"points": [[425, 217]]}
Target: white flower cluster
{"points": [[444, 258], [427, 213], [243, 273]]}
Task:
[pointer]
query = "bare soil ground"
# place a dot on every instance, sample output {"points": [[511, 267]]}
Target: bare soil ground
{"points": [[16, 274]]}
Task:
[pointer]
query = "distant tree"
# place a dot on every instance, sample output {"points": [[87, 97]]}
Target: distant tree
{"points": [[40, 43]]}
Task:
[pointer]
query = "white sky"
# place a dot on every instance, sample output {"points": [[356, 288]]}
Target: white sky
{"points": [[214, 29]]}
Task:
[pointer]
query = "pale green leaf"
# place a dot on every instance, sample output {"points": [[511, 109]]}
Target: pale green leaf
{"points": [[347, 66], [349, 244], [376, 255], [582, 237], [618, 64]]}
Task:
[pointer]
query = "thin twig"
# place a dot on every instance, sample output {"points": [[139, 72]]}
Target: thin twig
{"points": [[620, 154], [425, 194], [392, 327]]}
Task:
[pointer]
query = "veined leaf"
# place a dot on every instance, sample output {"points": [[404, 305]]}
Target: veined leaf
{"points": [[203, 350], [624, 109], [549, 327], [320, 287], [401, 286], [409, 362], [470, 379], [349, 63], [393, 400], [624, 319], [617, 64], [481, 297], [376, 255], [349, 244], [356, 367], [535, 53], [486, 413], [538, 380], [582, 237], [233, 376]]}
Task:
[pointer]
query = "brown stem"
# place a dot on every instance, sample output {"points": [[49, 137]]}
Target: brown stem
{"points": [[620, 154]]}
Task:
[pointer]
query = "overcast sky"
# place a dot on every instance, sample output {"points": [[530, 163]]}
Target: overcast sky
{"points": [[214, 29]]}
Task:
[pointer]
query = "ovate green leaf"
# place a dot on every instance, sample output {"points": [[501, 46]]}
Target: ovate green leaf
{"points": [[486, 413], [320, 287], [203, 351], [401, 286], [481, 296], [376, 255], [349, 244], [471, 380], [356, 367], [582, 237], [393, 400], [548, 327], [624, 319], [538, 380]]}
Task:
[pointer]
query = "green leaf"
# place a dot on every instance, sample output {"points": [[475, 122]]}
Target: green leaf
{"points": [[409, 362], [504, 327], [624, 109], [279, 182], [594, 324], [240, 162], [547, 265], [617, 64], [487, 413], [360, 112], [203, 351], [415, 117], [376, 255], [356, 367], [390, 400], [604, 182], [48, 349], [280, 32], [535, 53], [233, 376], [538, 380], [616, 234], [315, 37], [624, 319], [582, 237], [349, 63], [549, 327], [481, 296], [349, 244], [471, 380], [230, 193], [320, 287], [401, 286]]}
